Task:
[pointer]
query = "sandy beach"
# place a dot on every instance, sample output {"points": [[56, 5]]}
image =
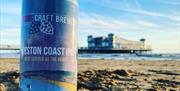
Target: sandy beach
{"points": [[109, 75]]}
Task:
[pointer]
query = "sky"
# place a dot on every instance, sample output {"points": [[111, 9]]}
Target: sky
{"points": [[158, 21]]}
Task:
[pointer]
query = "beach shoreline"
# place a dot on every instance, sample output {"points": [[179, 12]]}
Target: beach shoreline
{"points": [[107, 74]]}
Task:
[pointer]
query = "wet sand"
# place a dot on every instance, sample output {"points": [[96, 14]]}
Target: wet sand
{"points": [[109, 75]]}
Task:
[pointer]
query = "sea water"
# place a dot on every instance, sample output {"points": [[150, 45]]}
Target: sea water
{"points": [[152, 56]]}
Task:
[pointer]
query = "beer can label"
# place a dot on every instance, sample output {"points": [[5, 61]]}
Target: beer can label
{"points": [[48, 59]]}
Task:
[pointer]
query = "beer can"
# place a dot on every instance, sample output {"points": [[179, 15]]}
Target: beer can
{"points": [[48, 59]]}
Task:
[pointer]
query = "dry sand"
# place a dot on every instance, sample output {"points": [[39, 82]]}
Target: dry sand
{"points": [[109, 75]]}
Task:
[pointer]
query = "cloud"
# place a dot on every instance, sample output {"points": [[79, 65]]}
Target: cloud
{"points": [[138, 4], [172, 2], [175, 18], [100, 22], [136, 8], [146, 24], [156, 32], [95, 21]]}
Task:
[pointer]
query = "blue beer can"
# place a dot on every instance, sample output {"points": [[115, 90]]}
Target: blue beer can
{"points": [[48, 60]]}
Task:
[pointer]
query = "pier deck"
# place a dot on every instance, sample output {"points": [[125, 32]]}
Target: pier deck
{"points": [[104, 50]]}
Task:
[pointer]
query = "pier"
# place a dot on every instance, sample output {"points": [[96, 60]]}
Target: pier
{"points": [[88, 50], [114, 44], [106, 50], [105, 44], [9, 47]]}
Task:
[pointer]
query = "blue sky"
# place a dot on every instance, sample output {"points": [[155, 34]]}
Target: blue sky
{"points": [[156, 20]]}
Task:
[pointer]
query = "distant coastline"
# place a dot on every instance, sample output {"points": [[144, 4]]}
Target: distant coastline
{"points": [[152, 56]]}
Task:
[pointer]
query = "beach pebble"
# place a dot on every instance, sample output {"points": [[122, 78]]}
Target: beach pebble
{"points": [[2, 87], [122, 72], [152, 89]]}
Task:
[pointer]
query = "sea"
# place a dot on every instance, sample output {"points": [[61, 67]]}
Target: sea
{"points": [[143, 56]]}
